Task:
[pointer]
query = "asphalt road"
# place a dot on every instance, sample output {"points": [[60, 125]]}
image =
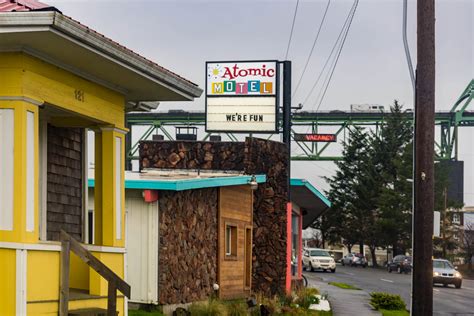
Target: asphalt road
{"points": [[447, 301]]}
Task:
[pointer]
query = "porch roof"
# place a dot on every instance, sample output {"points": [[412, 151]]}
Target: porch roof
{"points": [[180, 180], [310, 199], [44, 32]]}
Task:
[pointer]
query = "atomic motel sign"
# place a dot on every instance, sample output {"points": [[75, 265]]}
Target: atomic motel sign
{"points": [[242, 96]]}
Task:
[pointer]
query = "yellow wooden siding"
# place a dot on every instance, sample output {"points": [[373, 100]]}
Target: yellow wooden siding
{"points": [[24, 77], [105, 189], [42, 275], [8, 283], [31, 77], [79, 275], [97, 284], [19, 233], [51, 308]]}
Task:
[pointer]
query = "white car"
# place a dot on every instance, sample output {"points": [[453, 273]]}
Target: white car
{"points": [[318, 259]]}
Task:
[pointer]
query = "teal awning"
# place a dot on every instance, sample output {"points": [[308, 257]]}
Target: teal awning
{"points": [[309, 199], [186, 184]]}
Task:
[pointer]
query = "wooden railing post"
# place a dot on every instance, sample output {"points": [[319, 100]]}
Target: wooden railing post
{"points": [[64, 286], [112, 300], [114, 281]]}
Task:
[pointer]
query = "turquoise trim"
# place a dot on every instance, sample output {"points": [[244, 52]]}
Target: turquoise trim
{"points": [[309, 186], [187, 184]]}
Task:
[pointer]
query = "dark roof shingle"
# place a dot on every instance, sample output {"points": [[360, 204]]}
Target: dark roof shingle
{"points": [[24, 5]]}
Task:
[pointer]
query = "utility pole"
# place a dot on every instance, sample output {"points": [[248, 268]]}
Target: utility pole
{"points": [[422, 287]]}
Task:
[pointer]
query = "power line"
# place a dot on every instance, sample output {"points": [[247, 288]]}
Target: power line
{"points": [[339, 54], [312, 48], [329, 57], [292, 27]]}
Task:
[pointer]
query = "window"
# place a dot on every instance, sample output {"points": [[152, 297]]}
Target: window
{"points": [[230, 240], [90, 227], [319, 253]]}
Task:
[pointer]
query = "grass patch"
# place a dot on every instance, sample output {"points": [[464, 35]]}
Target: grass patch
{"points": [[394, 313], [344, 285], [210, 308], [144, 313]]}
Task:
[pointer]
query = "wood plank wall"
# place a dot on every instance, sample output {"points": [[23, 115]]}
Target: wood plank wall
{"points": [[235, 208]]}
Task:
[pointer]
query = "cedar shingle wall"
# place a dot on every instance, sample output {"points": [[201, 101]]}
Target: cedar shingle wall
{"points": [[64, 209]]}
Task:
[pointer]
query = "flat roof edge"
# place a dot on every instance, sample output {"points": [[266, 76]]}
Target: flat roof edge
{"points": [[187, 184]]}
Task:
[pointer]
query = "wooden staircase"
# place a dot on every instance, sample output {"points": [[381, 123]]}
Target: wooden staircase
{"points": [[115, 283]]}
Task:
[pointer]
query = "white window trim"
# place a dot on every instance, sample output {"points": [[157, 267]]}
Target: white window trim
{"points": [[43, 179], [228, 240], [21, 270], [118, 188], [30, 171], [85, 188], [7, 164]]}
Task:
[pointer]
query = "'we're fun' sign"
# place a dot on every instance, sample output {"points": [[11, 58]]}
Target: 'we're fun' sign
{"points": [[241, 96]]}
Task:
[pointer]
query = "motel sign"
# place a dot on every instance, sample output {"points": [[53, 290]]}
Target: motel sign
{"points": [[241, 96]]}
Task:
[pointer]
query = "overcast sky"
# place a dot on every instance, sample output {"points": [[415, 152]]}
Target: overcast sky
{"points": [[182, 34]]}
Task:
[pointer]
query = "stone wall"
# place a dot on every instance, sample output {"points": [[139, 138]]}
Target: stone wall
{"points": [[255, 156], [270, 199], [192, 155], [64, 200], [187, 266]]}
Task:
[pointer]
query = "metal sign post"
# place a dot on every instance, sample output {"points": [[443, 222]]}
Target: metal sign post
{"points": [[287, 115]]}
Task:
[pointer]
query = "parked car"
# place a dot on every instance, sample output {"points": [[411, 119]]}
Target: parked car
{"points": [[445, 273], [315, 259], [354, 259], [400, 263]]}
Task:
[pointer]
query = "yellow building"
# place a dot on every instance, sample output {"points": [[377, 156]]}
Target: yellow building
{"points": [[59, 79]]}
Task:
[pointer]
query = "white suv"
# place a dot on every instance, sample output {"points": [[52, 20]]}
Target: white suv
{"points": [[314, 259]]}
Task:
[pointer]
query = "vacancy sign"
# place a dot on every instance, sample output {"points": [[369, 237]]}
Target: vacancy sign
{"points": [[323, 138], [241, 96]]}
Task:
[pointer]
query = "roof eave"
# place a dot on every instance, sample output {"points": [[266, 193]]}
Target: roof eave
{"points": [[114, 51], [77, 30]]}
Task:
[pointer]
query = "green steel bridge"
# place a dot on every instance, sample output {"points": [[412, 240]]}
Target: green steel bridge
{"points": [[446, 142]]}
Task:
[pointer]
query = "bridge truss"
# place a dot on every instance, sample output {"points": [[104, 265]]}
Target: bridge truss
{"points": [[338, 122]]}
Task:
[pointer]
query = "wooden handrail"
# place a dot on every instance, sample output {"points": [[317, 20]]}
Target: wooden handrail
{"points": [[114, 281]]}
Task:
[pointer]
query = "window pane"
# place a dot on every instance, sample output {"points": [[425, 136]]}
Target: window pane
{"points": [[228, 233]]}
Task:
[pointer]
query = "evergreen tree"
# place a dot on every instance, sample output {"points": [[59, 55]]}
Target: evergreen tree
{"points": [[345, 219], [393, 164], [371, 192]]}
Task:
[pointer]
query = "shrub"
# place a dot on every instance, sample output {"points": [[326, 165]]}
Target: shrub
{"points": [[271, 304], [306, 297], [209, 308], [237, 308], [387, 301]]}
